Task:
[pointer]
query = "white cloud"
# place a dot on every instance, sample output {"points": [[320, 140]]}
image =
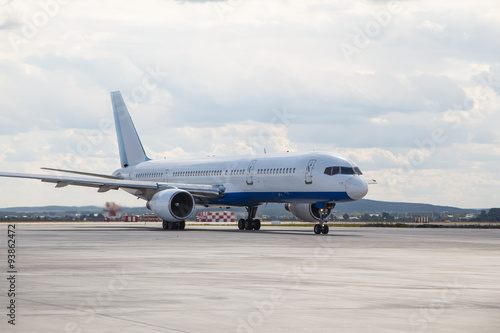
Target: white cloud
{"points": [[436, 27], [204, 78]]}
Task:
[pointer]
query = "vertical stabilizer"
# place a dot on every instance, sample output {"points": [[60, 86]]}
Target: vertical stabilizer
{"points": [[131, 150]]}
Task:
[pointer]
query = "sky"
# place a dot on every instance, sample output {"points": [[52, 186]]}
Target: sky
{"points": [[409, 90]]}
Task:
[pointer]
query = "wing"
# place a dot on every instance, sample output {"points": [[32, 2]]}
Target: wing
{"points": [[98, 175], [142, 189]]}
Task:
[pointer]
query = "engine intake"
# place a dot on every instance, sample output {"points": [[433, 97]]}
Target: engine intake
{"points": [[172, 205]]}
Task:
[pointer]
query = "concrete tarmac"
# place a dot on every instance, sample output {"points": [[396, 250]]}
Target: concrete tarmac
{"points": [[136, 277]]}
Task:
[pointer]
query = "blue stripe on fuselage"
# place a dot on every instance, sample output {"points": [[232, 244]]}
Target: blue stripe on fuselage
{"points": [[258, 198]]}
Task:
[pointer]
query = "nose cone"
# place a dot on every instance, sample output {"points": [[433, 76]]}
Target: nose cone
{"points": [[356, 188]]}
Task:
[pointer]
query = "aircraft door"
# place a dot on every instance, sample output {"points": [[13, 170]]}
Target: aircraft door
{"points": [[309, 170], [250, 172]]}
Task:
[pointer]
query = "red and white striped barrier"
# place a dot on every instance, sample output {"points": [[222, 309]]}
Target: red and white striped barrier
{"points": [[207, 216], [130, 218]]}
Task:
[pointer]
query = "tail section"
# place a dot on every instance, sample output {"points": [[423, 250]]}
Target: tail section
{"points": [[131, 149]]}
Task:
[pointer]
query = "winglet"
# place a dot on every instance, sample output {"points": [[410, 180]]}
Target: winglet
{"points": [[129, 144]]}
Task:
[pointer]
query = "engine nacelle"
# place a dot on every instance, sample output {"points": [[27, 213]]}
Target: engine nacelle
{"points": [[305, 212], [172, 205]]}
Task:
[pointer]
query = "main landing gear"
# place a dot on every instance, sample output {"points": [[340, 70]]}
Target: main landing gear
{"points": [[322, 227], [251, 223], [174, 225]]}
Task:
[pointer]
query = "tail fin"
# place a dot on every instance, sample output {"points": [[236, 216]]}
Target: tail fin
{"points": [[131, 149]]}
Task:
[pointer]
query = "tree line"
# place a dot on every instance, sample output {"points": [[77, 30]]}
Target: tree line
{"points": [[493, 215]]}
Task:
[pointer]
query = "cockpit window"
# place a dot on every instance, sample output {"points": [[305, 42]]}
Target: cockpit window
{"points": [[347, 171], [334, 170]]}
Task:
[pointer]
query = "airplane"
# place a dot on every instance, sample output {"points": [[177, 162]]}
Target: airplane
{"points": [[309, 184]]}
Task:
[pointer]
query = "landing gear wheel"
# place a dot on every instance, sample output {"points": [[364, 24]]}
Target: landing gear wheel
{"points": [[256, 224], [318, 229], [325, 229], [248, 225], [167, 225]]}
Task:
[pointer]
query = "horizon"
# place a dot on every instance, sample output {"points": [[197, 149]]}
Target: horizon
{"points": [[277, 204]]}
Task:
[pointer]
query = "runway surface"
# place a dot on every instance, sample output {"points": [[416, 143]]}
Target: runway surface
{"points": [[136, 277]]}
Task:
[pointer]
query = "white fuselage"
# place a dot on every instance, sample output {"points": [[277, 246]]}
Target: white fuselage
{"points": [[251, 181]]}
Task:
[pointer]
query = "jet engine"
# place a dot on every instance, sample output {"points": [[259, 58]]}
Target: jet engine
{"points": [[172, 205], [305, 212]]}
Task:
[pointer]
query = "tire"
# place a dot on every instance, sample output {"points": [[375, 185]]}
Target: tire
{"points": [[248, 225], [325, 229], [182, 225], [256, 224], [241, 224], [317, 229], [165, 225]]}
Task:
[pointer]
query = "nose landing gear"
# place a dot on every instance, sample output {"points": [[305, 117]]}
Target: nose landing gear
{"points": [[322, 226]]}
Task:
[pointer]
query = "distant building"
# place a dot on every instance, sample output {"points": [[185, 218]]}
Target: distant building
{"points": [[150, 218]]}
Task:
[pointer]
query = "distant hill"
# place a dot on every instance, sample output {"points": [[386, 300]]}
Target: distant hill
{"points": [[372, 206], [61, 210], [44, 209], [361, 206]]}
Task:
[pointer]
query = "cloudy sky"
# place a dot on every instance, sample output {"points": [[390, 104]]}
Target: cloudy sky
{"points": [[408, 89]]}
